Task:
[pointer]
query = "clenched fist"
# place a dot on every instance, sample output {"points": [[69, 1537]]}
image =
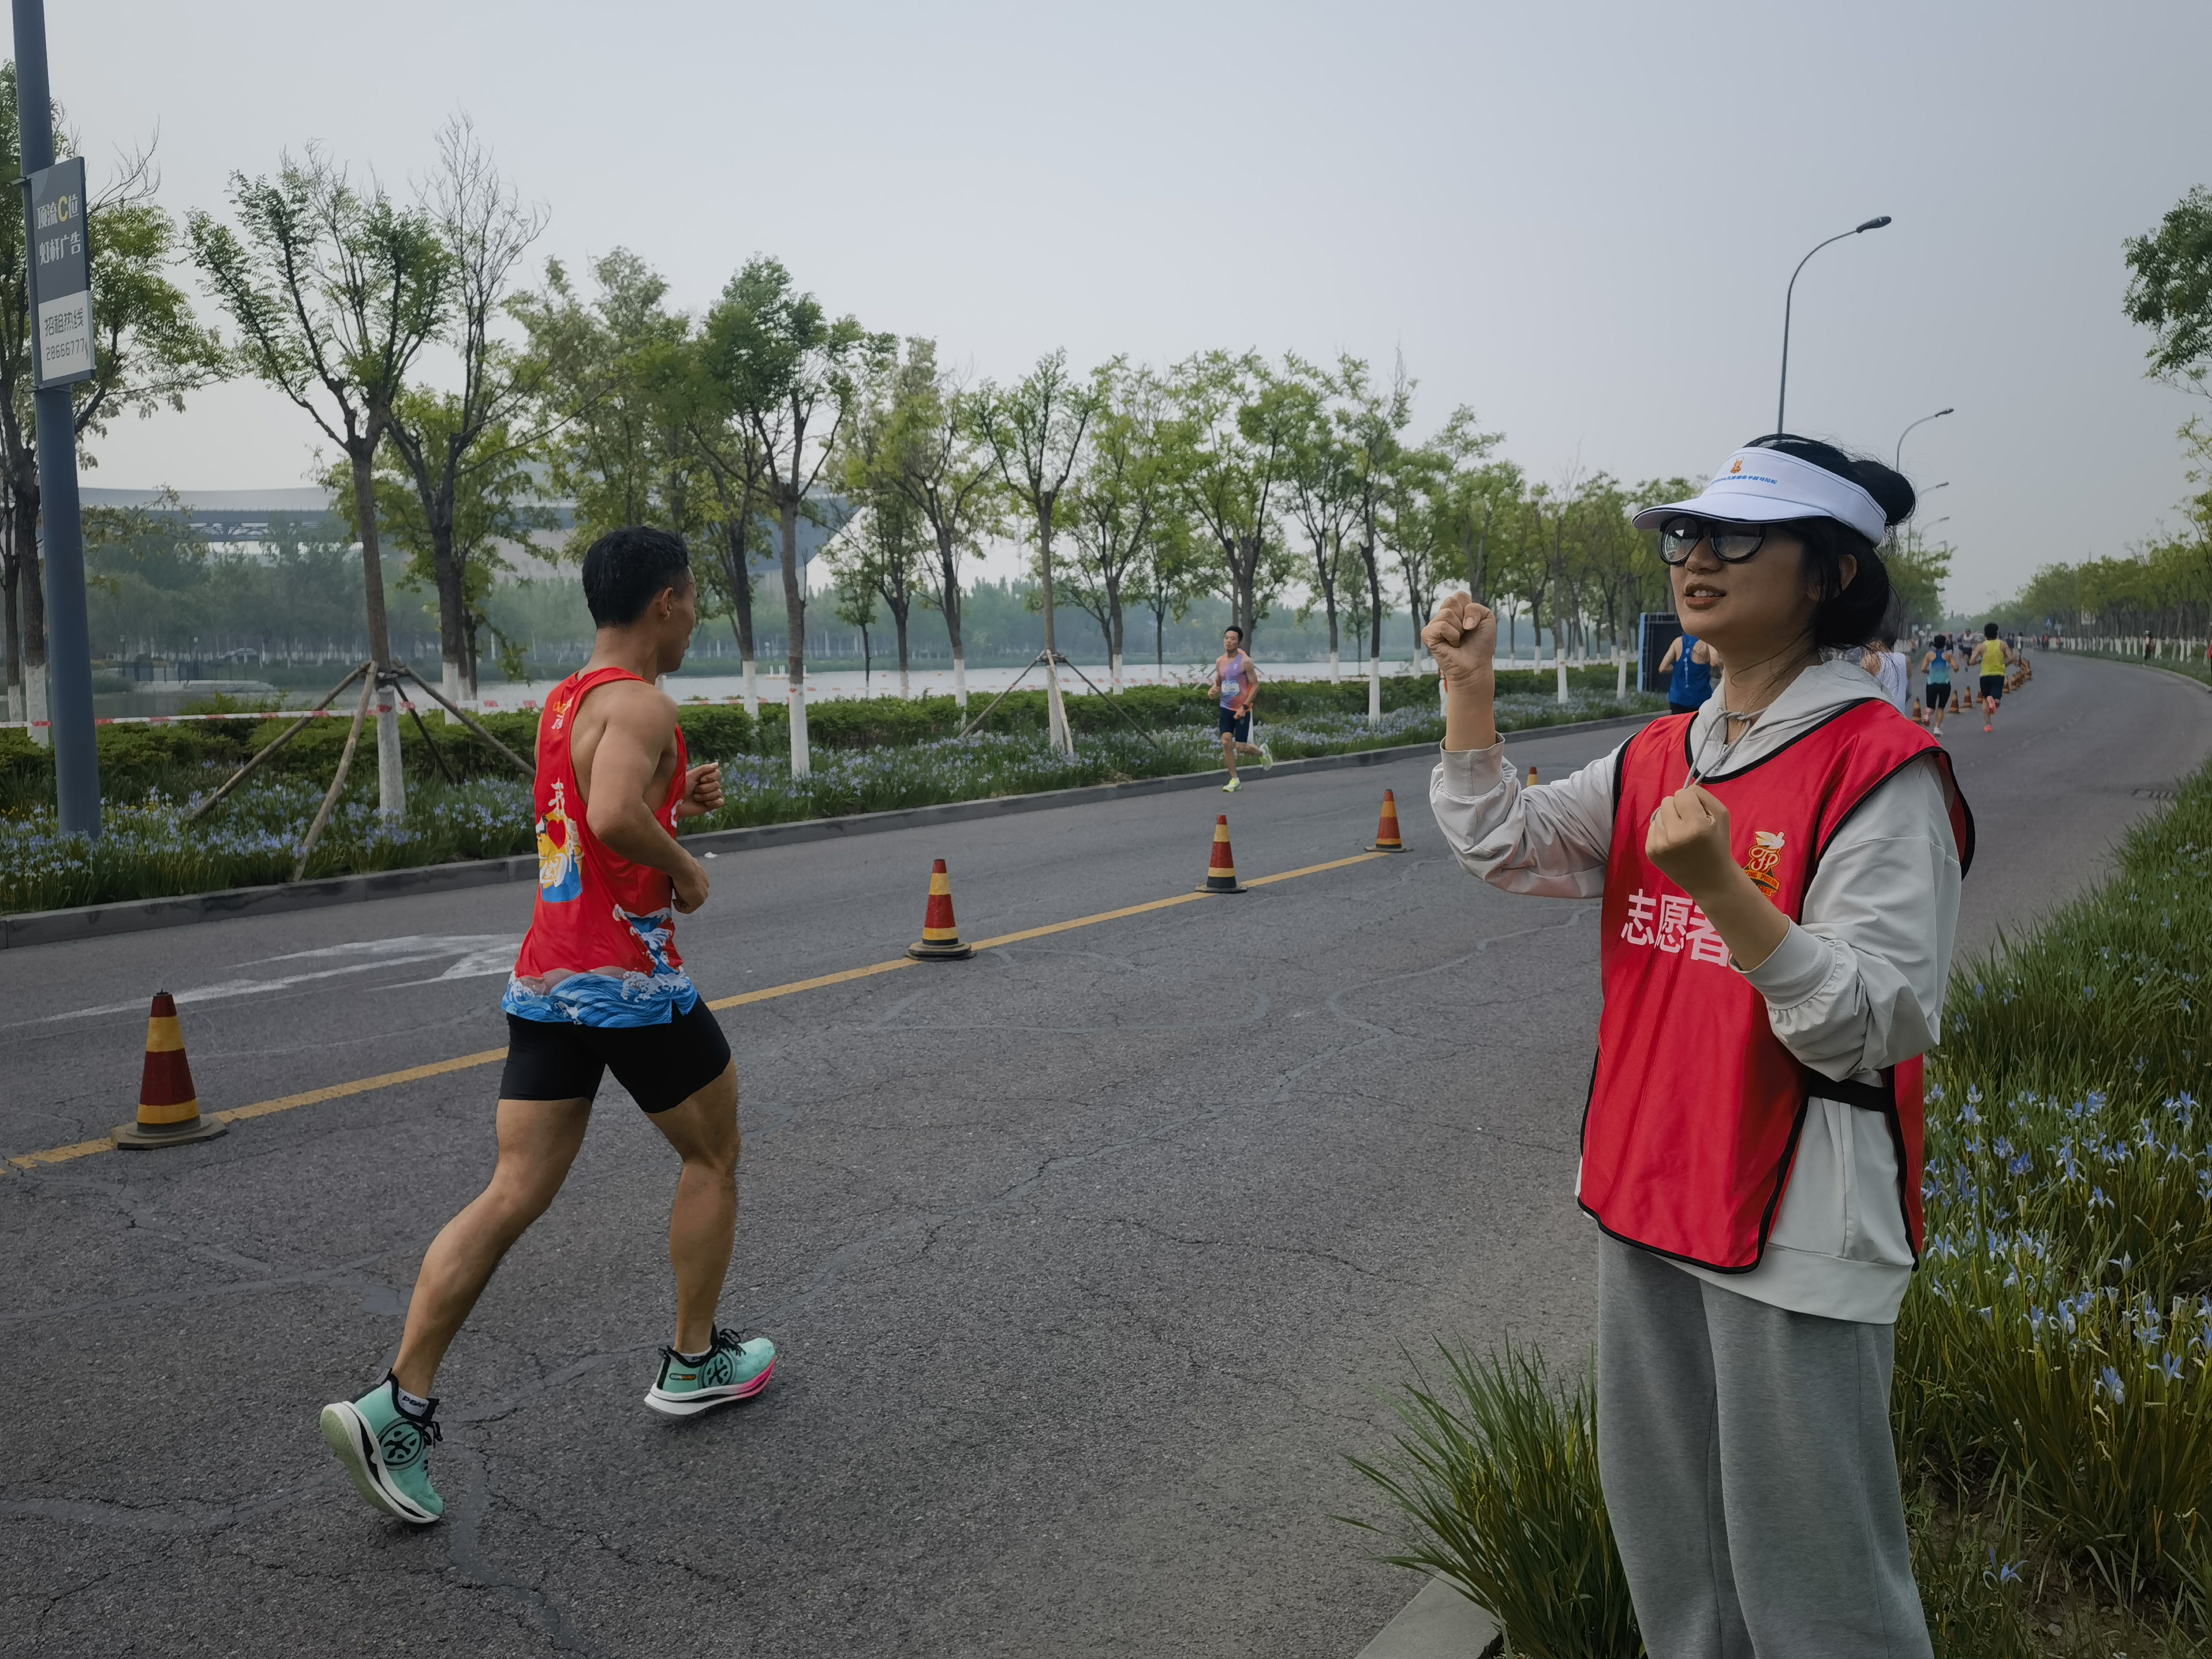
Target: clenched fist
{"points": [[1688, 839], [1462, 636]]}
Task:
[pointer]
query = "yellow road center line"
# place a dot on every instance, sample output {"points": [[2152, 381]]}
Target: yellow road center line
{"points": [[488, 1056]]}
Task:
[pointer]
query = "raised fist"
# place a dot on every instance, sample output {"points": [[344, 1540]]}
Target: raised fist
{"points": [[1462, 636]]}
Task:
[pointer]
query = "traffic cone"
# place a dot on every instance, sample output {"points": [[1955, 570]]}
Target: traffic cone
{"points": [[1918, 717], [1221, 871], [1533, 779], [940, 935], [1386, 835], [169, 1107]]}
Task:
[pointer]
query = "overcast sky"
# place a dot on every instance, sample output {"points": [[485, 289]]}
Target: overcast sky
{"points": [[1579, 219]]}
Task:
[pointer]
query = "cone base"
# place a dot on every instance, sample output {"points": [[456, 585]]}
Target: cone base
{"points": [[1208, 887], [134, 1137], [1391, 847], [934, 951]]}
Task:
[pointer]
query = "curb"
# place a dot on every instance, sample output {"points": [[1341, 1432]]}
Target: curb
{"points": [[140, 916]]}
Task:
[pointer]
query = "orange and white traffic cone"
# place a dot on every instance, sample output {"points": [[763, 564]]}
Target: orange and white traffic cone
{"points": [[1221, 870], [1386, 835], [940, 935], [168, 1107]]}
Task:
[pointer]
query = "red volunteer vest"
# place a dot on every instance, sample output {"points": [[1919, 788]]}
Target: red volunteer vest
{"points": [[1695, 1106], [586, 893]]}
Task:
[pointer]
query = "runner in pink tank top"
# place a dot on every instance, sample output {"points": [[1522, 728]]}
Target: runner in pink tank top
{"points": [[597, 986]]}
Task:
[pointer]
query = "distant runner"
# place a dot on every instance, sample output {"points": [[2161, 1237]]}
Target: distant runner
{"points": [[597, 986], [1936, 664], [1237, 681], [1689, 662], [1994, 655]]}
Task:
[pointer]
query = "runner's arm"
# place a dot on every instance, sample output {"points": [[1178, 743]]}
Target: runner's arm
{"points": [[1673, 655], [639, 722]]}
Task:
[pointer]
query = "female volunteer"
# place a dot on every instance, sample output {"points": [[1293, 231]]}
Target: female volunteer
{"points": [[1780, 881]]}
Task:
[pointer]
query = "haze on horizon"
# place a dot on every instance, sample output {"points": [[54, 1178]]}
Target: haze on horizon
{"points": [[1578, 220]]}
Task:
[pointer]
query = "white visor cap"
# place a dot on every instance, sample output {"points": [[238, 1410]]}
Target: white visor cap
{"points": [[1767, 486]]}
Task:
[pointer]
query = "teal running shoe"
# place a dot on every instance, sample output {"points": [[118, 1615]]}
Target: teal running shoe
{"points": [[384, 1447], [735, 1368]]}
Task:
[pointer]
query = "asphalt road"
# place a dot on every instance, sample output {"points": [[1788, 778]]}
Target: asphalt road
{"points": [[1088, 1259]]}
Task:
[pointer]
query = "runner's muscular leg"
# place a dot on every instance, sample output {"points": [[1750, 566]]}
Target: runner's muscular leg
{"points": [[538, 1142], [703, 1225]]}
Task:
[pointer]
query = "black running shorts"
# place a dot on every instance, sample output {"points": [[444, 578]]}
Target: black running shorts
{"points": [[1993, 686], [1236, 726], [661, 1066]]}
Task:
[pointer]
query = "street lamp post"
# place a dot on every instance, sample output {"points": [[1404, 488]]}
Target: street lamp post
{"points": [[1782, 397], [1897, 460]]}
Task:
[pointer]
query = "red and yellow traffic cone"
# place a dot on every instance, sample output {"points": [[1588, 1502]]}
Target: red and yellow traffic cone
{"points": [[1387, 839], [1533, 779], [168, 1107], [1221, 870], [940, 935]]}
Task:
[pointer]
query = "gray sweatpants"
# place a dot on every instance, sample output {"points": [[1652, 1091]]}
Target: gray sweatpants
{"points": [[1749, 1471]]}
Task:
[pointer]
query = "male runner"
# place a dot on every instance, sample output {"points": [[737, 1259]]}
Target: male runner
{"points": [[1993, 654], [1237, 681], [1690, 679], [1936, 665], [597, 986]]}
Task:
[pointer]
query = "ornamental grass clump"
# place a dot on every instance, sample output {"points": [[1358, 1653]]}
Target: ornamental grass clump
{"points": [[1496, 1470], [2056, 1343]]}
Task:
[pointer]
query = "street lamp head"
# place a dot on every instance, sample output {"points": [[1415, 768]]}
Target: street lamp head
{"points": [[1943, 411], [1873, 224]]}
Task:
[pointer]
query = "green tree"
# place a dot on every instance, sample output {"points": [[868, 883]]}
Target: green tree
{"points": [[878, 558], [1320, 491], [335, 292], [917, 437], [1168, 576], [1369, 420], [733, 465], [491, 500], [602, 370], [1035, 430], [1127, 482], [791, 372], [461, 451], [1239, 423], [2170, 290], [149, 353]]}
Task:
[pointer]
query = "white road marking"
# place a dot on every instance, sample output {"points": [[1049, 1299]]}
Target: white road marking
{"points": [[481, 956]]}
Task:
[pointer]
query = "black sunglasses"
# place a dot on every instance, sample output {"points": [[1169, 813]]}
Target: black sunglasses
{"points": [[1732, 543]]}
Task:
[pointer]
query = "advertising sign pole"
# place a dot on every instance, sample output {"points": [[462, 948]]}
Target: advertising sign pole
{"points": [[58, 258]]}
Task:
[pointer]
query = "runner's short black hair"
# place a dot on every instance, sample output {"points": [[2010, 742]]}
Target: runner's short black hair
{"points": [[626, 569], [1989, 630], [1849, 613]]}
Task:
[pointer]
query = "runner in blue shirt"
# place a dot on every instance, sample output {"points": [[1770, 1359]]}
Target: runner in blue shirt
{"points": [[1689, 660]]}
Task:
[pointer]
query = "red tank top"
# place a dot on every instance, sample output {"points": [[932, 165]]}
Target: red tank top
{"points": [[1695, 1105], [597, 912]]}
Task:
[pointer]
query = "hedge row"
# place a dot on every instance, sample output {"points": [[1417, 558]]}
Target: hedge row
{"points": [[132, 755]]}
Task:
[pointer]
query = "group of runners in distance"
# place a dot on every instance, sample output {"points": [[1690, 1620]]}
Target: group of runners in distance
{"points": [[1993, 662]]}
